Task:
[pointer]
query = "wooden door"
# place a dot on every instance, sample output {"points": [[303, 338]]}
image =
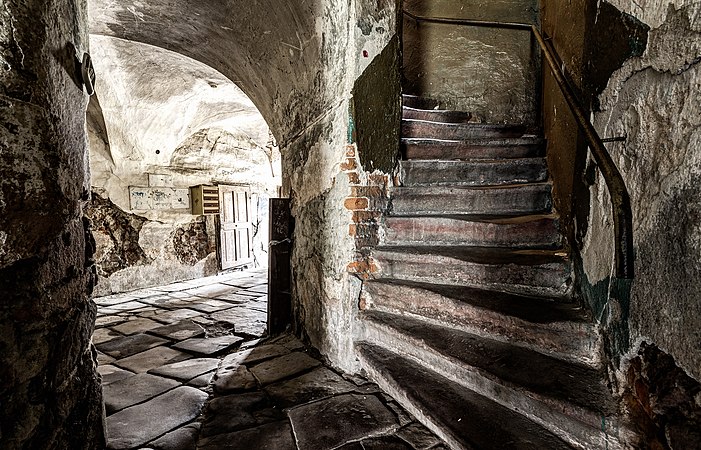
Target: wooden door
{"points": [[236, 226]]}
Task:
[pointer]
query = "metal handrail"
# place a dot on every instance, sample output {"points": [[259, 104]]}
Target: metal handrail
{"points": [[620, 199]]}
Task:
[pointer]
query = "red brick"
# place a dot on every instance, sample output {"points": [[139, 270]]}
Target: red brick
{"points": [[363, 303], [367, 191], [363, 268], [356, 203], [353, 177], [349, 165]]}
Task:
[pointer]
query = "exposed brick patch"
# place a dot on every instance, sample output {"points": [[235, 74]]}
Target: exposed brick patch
{"points": [[349, 164], [356, 203], [366, 216], [664, 402], [368, 201], [353, 178], [363, 267]]}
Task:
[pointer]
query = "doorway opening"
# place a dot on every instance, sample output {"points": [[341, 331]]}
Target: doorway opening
{"points": [[183, 166]]}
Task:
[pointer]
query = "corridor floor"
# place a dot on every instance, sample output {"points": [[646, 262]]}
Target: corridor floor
{"points": [[188, 366]]}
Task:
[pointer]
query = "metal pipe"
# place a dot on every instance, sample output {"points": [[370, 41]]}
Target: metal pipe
{"points": [[620, 199]]}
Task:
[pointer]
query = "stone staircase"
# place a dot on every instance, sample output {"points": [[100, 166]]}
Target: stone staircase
{"points": [[470, 321]]}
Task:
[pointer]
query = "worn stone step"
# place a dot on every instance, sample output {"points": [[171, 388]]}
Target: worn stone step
{"points": [[571, 400], [531, 272], [438, 115], [412, 128], [547, 325], [474, 173], [446, 149], [415, 101], [535, 198], [516, 232], [463, 418]]}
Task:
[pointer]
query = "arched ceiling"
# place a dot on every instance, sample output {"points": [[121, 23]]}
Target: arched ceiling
{"points": [[152, 99], [274, 50], [157, 111]]}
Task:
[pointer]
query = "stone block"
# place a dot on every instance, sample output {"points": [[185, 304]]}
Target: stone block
{"points": [[152, 358], [185, 329], [271, 436], [336, 421], [135, 426], [186, 370], [209, 346], [136, 325], [111, 373], [134, 389], [130, 345], [184, 438], [233, 412], [317, 384], [283, 367]]}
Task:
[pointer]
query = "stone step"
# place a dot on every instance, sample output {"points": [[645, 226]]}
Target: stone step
{"points": [[412, 128], [529, 272], [474, 173], [547, 325], [512, 200], [415, 101], [516, 232], [446, 149], [437, 115], [570, 400], [463, 418]]}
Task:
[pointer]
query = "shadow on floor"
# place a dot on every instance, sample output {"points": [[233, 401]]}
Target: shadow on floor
{"points": [[187, 366]]}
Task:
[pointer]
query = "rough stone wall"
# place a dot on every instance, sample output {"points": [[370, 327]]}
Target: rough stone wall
{"points": [[652, 101], [116, 235], [636, 66], [664, 401], [50, 392], [325, 288], [153, 252], [191, 242]]}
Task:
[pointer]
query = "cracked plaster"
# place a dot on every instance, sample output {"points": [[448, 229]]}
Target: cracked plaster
{"points": [[653, 100]]}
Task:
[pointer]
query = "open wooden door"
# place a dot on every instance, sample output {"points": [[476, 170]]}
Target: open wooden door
{"points": [[236, 226]]}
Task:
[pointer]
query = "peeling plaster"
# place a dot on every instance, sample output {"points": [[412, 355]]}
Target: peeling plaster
{"points": [[653, 100]]}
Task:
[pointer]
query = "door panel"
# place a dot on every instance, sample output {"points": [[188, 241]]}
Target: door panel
{"points": [[236, 226]]}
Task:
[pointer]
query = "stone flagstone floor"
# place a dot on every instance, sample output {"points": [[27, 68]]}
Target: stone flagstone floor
{"points": [[188, 366]]}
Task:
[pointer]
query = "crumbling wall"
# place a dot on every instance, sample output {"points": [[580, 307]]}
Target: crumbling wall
{"points": [[664, 401], [164, 118], [653, 101], [50, 392], [191, 242], [333, 185], [135, 252], [300, 74], [116, 235]]}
